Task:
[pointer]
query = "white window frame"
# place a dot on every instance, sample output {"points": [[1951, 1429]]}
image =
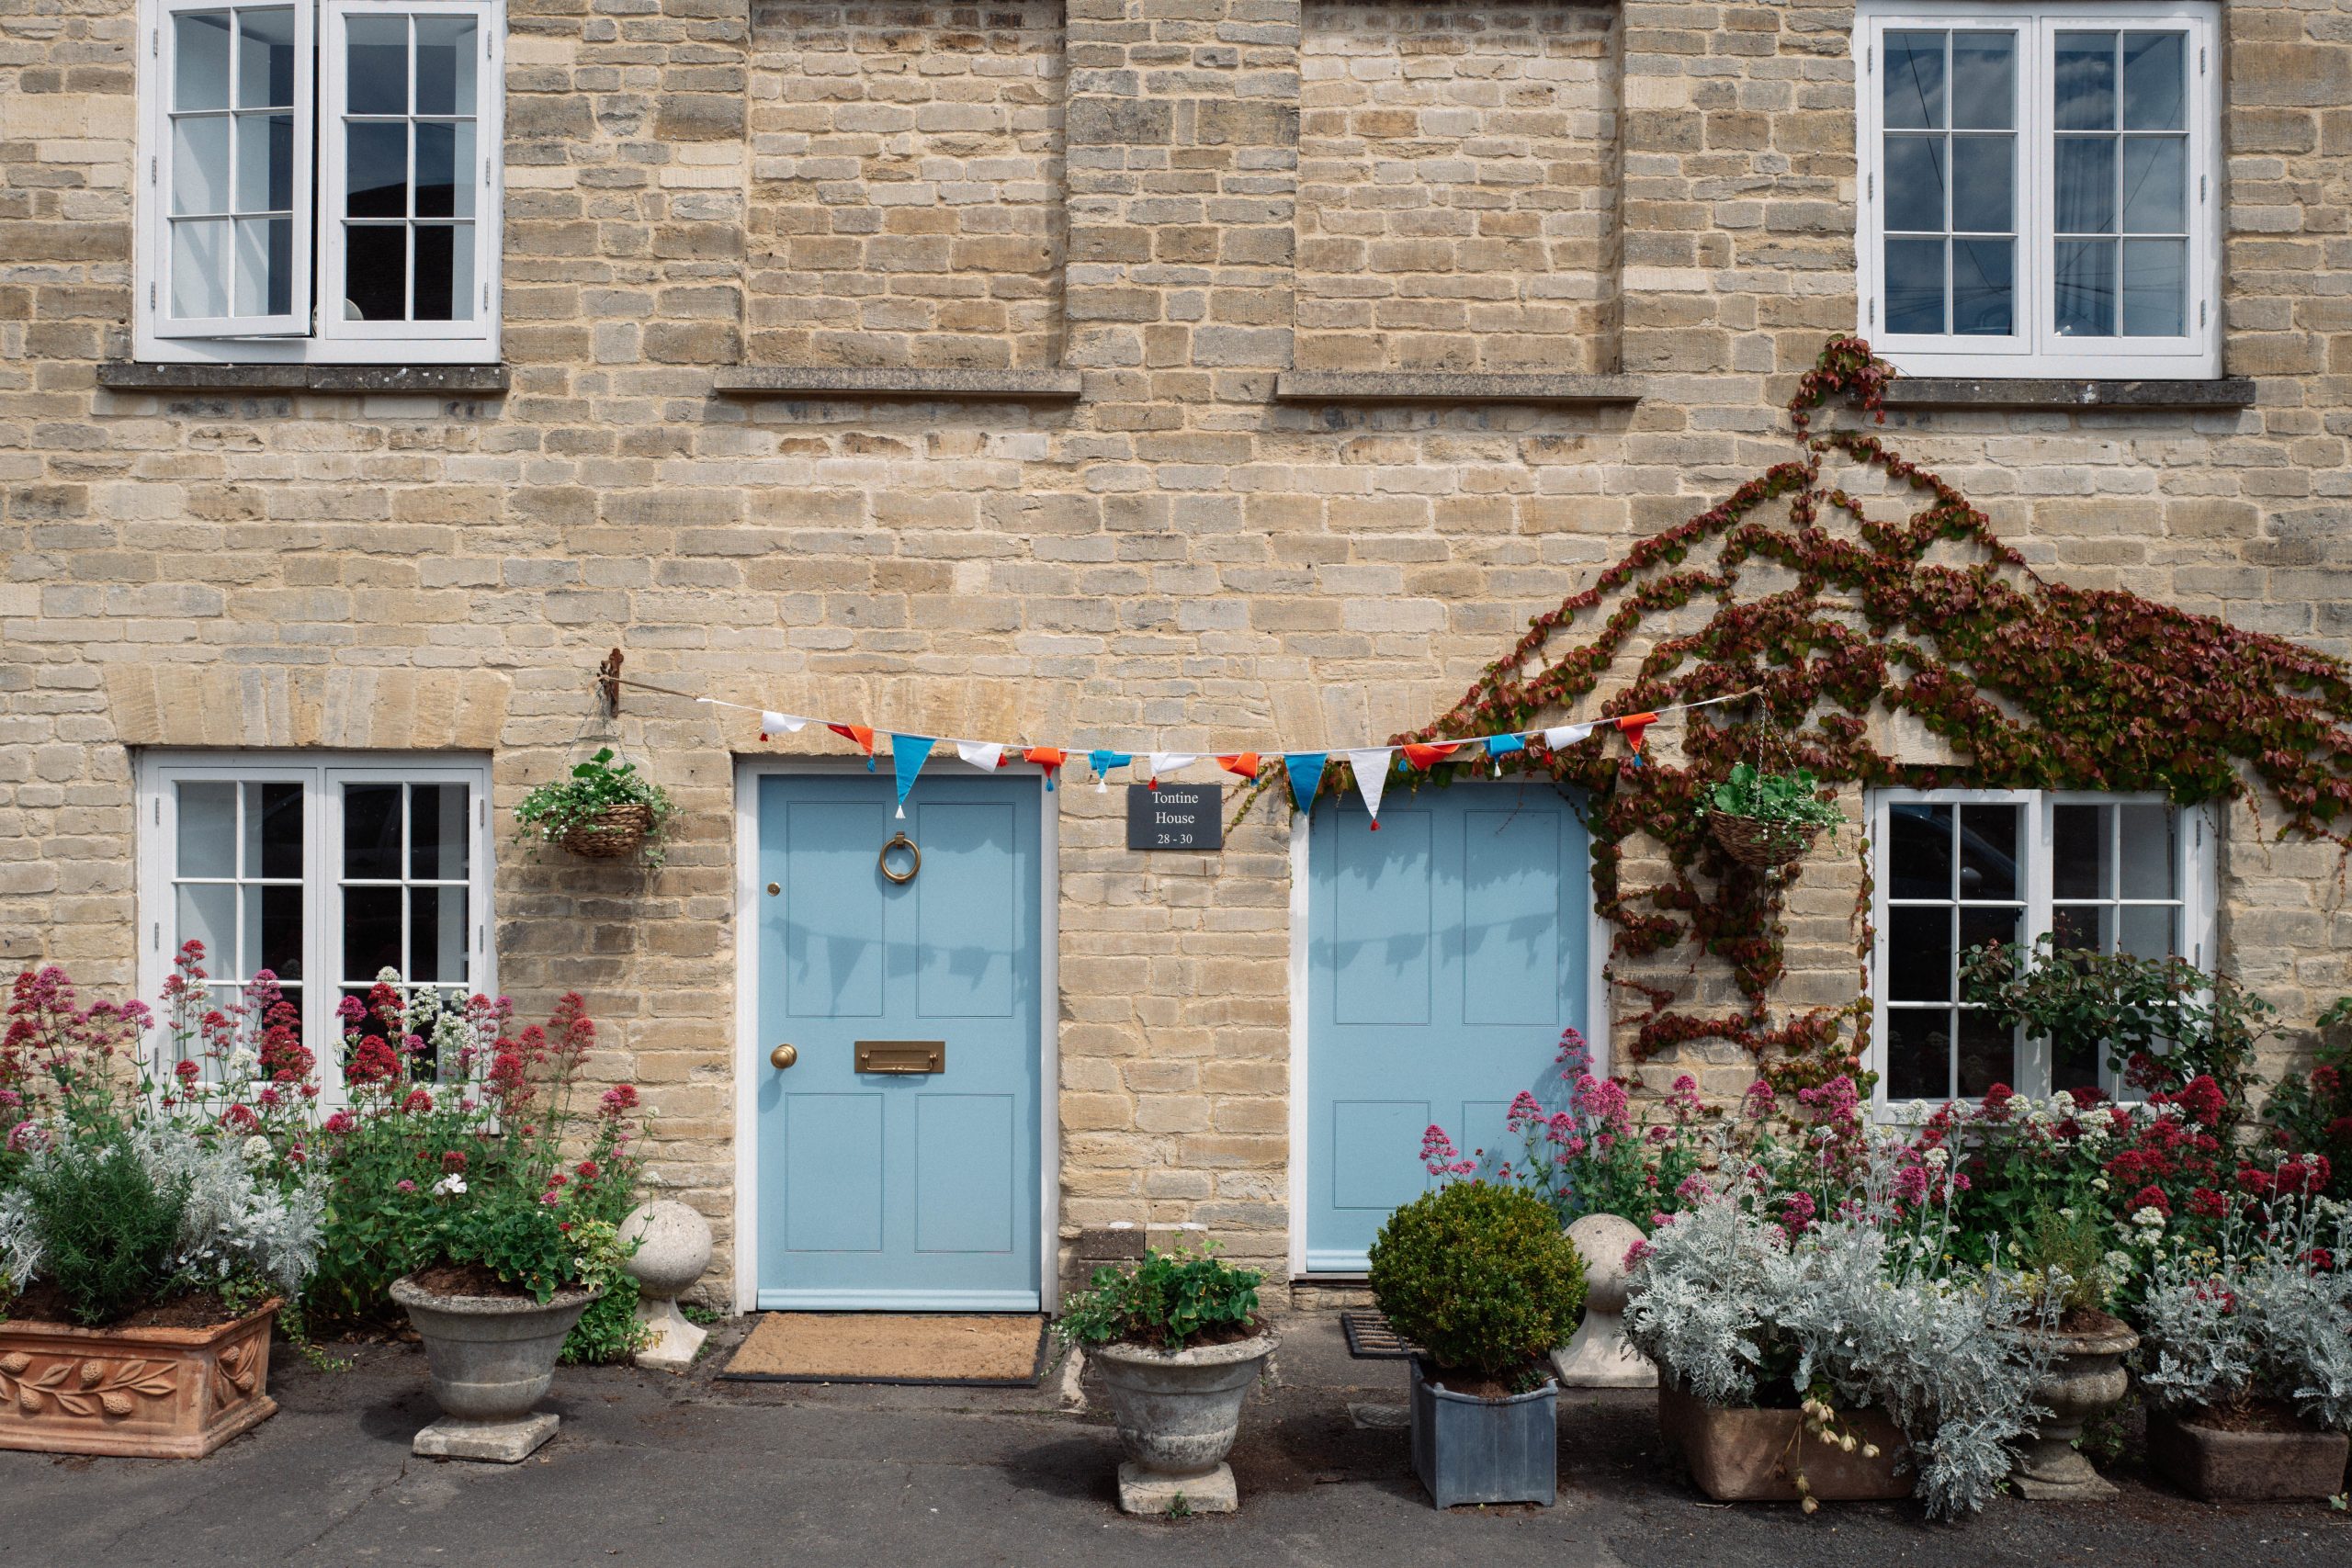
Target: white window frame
{"points": [[322, 776], [2036, 349], [2195, 849], [315, 334]]}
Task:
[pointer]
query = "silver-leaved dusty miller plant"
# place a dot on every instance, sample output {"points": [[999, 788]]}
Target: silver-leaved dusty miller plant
{"points": [[2258, 1317], [1739, 1311]]}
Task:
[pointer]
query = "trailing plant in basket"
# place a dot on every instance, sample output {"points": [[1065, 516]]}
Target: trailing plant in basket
{"points": [[598, 785], [1479, 1275], [1165, 1302], [1792, 800]]}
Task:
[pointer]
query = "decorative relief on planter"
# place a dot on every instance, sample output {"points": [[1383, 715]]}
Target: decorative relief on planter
{"points": [[144, 1392]]}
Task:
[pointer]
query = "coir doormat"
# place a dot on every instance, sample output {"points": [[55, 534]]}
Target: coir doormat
{"points": [[984, 1349]]}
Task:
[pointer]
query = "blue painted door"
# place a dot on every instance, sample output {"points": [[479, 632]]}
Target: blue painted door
{"points": [[1446, 952], [886, 1190]]}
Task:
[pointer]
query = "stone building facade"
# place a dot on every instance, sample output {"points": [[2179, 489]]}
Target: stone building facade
{"points": [[1180, 373]]}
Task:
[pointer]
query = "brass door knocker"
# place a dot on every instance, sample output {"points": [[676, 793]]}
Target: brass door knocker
{"points": [[914, 864]]}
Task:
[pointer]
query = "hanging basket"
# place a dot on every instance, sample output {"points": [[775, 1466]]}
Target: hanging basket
{"points": [[614, 833], [1763, 845]]}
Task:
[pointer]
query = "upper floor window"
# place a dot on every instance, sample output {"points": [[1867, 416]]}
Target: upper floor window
{"points": [[320, 181], [1957, 869], [2040, 188]]}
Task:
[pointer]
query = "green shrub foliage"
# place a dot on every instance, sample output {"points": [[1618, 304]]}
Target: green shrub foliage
{"points": [[1168, 1300], [1479, 1275], [110, 1231]]}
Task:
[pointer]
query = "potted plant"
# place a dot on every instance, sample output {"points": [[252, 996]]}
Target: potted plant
{"points": [[149, 1232], [1179, 1344], [2247, 1357], [2066, 1271], [603, 811], [1813, 1351], [1480, 1278], [480, 1177], [1764, 820]]}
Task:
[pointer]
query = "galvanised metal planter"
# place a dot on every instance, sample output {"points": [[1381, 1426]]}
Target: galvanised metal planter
{"points": [[1467, 1450]]}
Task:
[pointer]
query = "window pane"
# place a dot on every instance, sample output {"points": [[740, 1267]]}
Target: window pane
{"points": [[371, 932], [2075, 1066], [208, 829], [436, 933], [2078, 867], [375, 52], [2154, 76], [1982, 181], [1914, 286], [371, 834], [375, 272], [264, 161], [1988, 1054], [200, 165], [273, 829], [1921, 855], [1988, 851], [208, 913], [265, 266], [1915, 80], [2147, 852], [2155, 287], [445, 50], [1983, 288], [200, 269], [1914, 184], [200, 60], [2083, 927], [1918, 953], [266, 59], [1987, 928], [377, 167], [437, 169], [2147, 931], [2086, 81], [2156, 184], [2085, 185], [2083, 294], [274, 932], [1919, 1053], [1984, 79], [436, 299], [436, 832]]}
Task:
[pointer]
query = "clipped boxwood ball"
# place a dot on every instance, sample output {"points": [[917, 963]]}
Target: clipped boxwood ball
{"points": [[1479, 1276]]}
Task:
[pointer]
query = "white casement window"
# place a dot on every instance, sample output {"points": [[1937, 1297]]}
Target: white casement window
{"points": [[323, 871], [1954, 870], [320, 181], [2041, 188]]}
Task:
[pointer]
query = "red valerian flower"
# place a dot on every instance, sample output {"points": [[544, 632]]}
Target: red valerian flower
{"points": [[2151, 1198], [618, 1098], [453, 1159], [373, 1063], [419, 1103], [341, 1121]]}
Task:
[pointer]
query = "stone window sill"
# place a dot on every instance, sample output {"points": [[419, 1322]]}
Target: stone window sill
{"points": [[1455, 387], [833, 381], [1972, 393], [124, 377]]}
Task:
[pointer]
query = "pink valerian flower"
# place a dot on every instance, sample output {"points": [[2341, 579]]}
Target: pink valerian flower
{"points": [[1683, 1098], [1440, 1157], [403, 1186], [1693, 1188], [1797, 1214], [619, 1098], [1524, 1112], [419, 1103], [341, 1121], [1635, 1253], [1760, 1102]]}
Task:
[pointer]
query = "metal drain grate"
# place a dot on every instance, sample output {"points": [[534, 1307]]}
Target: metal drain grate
{"points": [[1371, 1339]]}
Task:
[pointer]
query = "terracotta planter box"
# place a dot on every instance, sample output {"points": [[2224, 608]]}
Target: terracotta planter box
{"points": [[140, 1392], [2245, 1467], [1743, 1456]]}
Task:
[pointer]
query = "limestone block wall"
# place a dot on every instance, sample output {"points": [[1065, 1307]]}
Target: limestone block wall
{"points": [[1175, 554]]}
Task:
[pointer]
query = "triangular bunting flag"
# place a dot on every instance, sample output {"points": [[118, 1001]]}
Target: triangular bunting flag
{"points": [[1372, 777], [1170, 762], [907, 754], [1102, 762], [862, 735], [773, 724], [1305, 770], [1632, 727], [1502, 746], [981, 754], [1243, 762], [1050, 758], [1427, 756], [1561, 736]]}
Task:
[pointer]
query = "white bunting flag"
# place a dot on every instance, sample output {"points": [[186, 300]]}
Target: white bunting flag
{"points": [[988, 754], [1566, 736], [1170, 762], [1372, 777], [781, 723]]}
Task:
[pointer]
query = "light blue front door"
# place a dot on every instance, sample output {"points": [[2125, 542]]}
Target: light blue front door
{"points": [[915, 1190], [1446, 952]]}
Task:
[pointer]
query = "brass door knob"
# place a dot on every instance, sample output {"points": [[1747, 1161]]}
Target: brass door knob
{"points": [[782, 1057]]}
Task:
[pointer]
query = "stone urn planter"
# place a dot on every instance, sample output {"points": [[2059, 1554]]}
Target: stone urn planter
{"points": [[2085, 1377], [2219, 1466], [1753, 1456], [491, 1358], [1179, 1412], [1468, 1449], [138, 1392], [1599, 1357]]}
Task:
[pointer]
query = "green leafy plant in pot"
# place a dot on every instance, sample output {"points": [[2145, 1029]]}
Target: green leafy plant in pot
{"points": [[1766, 819], [604, 810], [1481, 1279]]}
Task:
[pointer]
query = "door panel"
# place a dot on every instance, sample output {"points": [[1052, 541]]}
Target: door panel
{"points": [[889, 1189], [1446, 952]]}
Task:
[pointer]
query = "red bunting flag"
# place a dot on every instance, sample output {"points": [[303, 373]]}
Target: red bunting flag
{"points": [[1631, 726], [1243, 762], [1427, 756], [862, 734]]}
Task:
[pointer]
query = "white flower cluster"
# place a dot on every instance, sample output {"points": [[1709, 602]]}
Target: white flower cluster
{"points": [[2257, 1319]]}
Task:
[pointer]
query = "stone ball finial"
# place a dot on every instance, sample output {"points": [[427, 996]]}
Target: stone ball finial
{"points": [[1602, 1241], [676, 1246], [1599, 1357]]}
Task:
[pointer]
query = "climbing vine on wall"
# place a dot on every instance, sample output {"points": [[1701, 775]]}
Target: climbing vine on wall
{"points": [[2034, 684]]}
